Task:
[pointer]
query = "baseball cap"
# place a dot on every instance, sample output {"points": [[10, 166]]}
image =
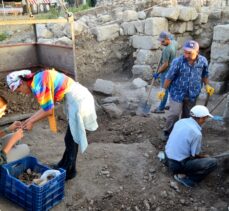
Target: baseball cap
{"points": [[200, 111], [191, 45], [164, 35]]}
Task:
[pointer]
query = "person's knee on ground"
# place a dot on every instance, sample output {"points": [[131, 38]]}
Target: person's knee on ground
{"points": [[17, 152]]}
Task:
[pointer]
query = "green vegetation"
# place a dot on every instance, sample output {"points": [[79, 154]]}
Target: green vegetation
{"points": [[3, 36], [55, 12]]}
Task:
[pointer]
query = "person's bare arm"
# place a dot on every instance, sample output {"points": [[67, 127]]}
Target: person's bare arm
{"points": [[167, 83], [163, 67], [39, 115]]}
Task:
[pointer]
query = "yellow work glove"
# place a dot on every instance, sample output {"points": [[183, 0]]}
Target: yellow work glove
{"points": [[210, 90], [161, 94]]}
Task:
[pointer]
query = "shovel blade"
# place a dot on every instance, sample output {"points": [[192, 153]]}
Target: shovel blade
{"points": [[143, 109]]}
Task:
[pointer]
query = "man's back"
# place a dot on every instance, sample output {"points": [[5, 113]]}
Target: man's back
{"points": [[184, 140]]}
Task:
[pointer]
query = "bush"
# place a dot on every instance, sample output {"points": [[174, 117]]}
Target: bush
{"points": [[3, 36]]}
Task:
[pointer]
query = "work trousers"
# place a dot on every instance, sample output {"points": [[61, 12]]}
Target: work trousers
{"points": [[175, 111], [163, 102], [195, 168], [68, 161]]}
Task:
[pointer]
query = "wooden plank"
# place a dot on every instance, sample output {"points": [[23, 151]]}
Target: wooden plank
{"points": [[33, 21]]}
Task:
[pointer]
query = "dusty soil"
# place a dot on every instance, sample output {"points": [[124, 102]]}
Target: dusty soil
{"points": [[120, 169]]}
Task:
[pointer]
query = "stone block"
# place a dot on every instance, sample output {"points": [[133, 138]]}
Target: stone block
{"points": [[189, 26], [139, 83], [141, 15], [202, 18], [145, 42], [129, 15], [112, 110], [142, 71], [128, 28], [170, 13], [139, 26], [154, 26], [221, 33], [219, 52], [218, 71], [104, 86], [107, 32], [79, 27], [147, 57], [64, 41], [187, 13], [177, 27]]}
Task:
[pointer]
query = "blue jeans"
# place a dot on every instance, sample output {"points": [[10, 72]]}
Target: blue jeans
{"points": [[162, 105], [195, 168]]}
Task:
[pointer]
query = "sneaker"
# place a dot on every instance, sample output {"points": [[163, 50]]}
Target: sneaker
{"points": [[184, 180]]}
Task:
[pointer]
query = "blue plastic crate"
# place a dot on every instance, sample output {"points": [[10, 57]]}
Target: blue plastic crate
{"points": [[31, 197]]}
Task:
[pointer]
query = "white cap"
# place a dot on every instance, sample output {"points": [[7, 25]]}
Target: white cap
{"points": [[200, 111]]}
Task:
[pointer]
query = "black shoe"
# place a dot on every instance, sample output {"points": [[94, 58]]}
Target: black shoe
{"points": [[70, 175]]}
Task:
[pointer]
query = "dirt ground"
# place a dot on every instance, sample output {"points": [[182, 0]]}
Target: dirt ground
{"points": [[120, 169]]}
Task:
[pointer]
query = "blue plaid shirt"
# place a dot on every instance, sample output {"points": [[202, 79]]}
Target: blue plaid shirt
{"points": [[186, 79]]}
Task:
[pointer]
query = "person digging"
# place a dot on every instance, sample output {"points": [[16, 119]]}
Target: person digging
{"points": [[183, 155], [167, 56], [9, 150]]}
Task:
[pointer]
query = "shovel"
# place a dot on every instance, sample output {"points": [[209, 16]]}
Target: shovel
{"points": [[144, 107]]}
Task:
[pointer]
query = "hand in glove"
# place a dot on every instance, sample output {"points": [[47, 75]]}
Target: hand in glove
{"points": [[161, 94], [210, 90], [155, 76]]}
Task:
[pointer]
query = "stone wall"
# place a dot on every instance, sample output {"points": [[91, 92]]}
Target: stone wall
{"points": [[219, 66]]}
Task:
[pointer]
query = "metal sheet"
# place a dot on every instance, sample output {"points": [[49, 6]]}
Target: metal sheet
{"points": [[59, 57], [19, 56]]}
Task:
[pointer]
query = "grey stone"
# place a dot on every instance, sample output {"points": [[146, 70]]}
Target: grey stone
{"points": [[145, 42], [129, 15], [218, 71], [170, 13], [187, 13], [182, 39], [43, 32], [204, 39], [177, 27], [139, 26], [142, 71], [189, 26], [128, 28], [221, 33], [110, 100], [215, 14], [147, 57], [104, 86], [138, 83], [113, 110], [219, 52], [202, 18], [79, 27], [141, 15], [107, 32], [154, 26], [104, 18], [64, 41]]}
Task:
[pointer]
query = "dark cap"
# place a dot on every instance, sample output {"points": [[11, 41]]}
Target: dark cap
{"points": [[164, 35], [191, 45]]}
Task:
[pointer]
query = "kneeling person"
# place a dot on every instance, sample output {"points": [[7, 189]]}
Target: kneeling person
{"points": [[183, 149], [8, 138]]}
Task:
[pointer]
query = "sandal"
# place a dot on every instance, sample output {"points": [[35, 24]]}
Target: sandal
{"points": [[157, 111]]}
